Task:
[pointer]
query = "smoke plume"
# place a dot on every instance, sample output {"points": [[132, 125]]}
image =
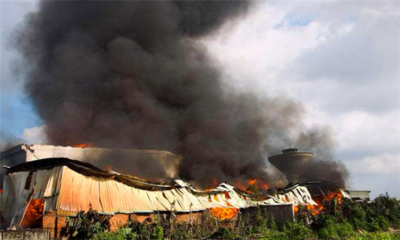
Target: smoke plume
{"points": [[135, 74]]}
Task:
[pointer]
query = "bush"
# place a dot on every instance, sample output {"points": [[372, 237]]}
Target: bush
{"points": [[103, 236], [298, 231], [378, 215], [158, 233], [383, 223], [271, 224], [225, 233], [122, 234], [347, 221], [344, 229], [375, 236], [275, 235], [180, 232]]}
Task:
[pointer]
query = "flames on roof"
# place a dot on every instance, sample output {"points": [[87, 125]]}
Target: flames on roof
{"points": [[69, 186]]}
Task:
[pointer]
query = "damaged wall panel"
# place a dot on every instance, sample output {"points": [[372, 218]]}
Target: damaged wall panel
{"points": [[59, 187]]}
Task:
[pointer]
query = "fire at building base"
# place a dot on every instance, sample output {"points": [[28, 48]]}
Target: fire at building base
{"points": [[49, 193]]}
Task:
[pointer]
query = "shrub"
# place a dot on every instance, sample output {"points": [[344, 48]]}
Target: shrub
{"points": [[328, 232], [103, 236], [298, 231], [375, 236], [275, 235], [221, 233], [122, 234], [344, 229], [271, 224], [347, 221], [180, 232], [158, 233], [383, 222]]}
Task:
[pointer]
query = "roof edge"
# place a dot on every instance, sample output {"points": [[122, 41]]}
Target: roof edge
{"points": [[88, 169]]}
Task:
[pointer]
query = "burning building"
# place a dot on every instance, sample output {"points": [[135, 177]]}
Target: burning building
{"points": [[63, 187], [42, 188], [43, 193], [136, 75], [133, 161]]}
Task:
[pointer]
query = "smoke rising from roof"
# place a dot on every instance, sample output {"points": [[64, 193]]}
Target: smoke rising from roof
{"points": [[135, 74]]}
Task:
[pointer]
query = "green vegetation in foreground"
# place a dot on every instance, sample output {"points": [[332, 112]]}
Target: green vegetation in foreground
{"points": [[354, 221]]}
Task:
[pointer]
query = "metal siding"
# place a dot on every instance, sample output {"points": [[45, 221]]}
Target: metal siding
{"points": [[69, 192]]}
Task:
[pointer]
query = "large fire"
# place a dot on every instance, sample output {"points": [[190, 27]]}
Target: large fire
{"points": [[84, 145], [34, 214], [224, 213], [315, 210], [252, 185]]}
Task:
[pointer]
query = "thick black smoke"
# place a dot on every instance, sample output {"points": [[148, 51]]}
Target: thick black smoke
{"points": [[323, 167], [134, 74]]}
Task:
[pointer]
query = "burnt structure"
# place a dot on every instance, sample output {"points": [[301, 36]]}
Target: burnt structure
{"points": [[133, 161], [292, 163], [44, 193]]}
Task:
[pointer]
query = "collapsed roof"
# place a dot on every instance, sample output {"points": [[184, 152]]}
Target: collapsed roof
{"points": [[69, 186]]}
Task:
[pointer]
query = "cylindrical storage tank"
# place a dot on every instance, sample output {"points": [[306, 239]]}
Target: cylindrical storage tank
{"points": [[292, 163]]}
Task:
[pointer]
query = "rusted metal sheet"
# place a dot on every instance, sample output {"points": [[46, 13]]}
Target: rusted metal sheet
{"points": [[79, 192], [67, 189]]}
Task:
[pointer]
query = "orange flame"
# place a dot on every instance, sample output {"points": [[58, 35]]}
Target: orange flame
{"points": [[84, 145], [340, 198], [213, 184], [34, 214], [224, 213], [315, 209], [319, 208], [296, 209], [253, 183], [240, 185], [265, 185], [333, 195]]}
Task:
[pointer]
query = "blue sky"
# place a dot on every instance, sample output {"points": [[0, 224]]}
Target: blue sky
{"points": [[16, 110], [340, 59]]}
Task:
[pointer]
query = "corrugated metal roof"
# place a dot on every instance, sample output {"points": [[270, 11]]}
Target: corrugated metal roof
{"points": [[79, 192], [295, 195], [71, 187], [88, 169]]}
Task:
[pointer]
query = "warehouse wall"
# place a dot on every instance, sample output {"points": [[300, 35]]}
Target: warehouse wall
{"points": [[10, 157]]}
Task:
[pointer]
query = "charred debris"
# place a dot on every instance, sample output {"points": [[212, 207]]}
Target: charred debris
{"points": [[45, 190]]}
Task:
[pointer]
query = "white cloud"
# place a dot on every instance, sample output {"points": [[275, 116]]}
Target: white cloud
{"points": [[341, 59], [379, 164], [35, 135], [379, 173]]}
